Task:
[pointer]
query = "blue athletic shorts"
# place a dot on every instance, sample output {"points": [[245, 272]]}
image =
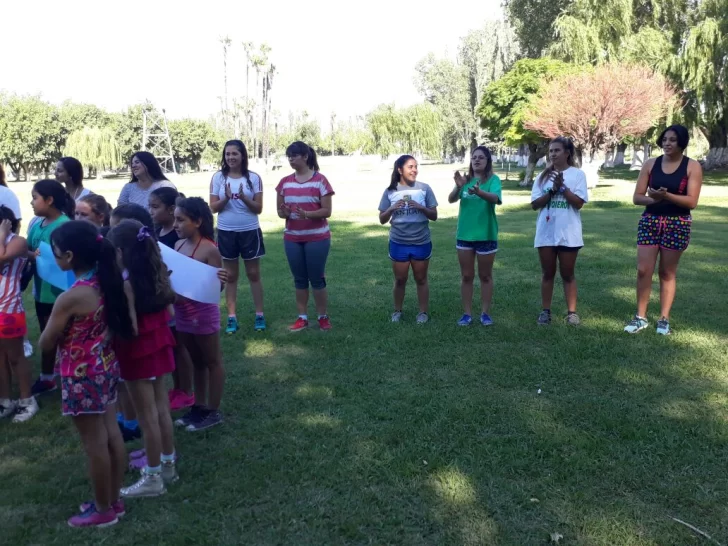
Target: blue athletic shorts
{"points": [[405, 253], [480, 247]]}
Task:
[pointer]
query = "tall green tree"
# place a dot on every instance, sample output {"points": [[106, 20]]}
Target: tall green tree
{"points": [[96, 148], [505, 101], [75, 116], [455, 88], [128, 129], [30, 134], [533, 22], [702, 66], [189, 139]]}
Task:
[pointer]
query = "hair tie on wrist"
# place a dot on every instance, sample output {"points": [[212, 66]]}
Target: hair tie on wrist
{"points": [[99, 238], [143, 233]]}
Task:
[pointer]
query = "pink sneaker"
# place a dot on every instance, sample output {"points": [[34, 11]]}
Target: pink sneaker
{"points": [[324, 323], [118, 507], [181, 401], [173, 394], [91, 518]]}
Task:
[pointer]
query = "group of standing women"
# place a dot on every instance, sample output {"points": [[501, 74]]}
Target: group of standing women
{"points": [[668, 187]]}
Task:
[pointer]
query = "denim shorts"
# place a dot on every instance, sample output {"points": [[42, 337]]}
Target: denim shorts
{"points": [[405, 253], [480, 247]]}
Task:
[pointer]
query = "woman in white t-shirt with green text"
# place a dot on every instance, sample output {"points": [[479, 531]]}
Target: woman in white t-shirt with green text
{"points": [[236, 195], [558, 194]]}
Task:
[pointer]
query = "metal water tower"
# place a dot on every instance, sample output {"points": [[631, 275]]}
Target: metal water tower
{"points": [[155, 139]]}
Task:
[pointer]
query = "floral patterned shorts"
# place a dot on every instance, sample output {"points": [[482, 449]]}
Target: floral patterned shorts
{"points": [[81, 395], [667, 232]]}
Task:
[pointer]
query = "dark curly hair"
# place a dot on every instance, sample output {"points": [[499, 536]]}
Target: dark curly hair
{"points": [[195, 208]]}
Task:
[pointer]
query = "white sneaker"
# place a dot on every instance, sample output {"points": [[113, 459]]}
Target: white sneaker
{"points": [[27, 348], [25, 410], [7, 408]]}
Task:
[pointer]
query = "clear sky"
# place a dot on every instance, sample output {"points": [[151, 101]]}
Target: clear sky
{"points": [[331, 55]]}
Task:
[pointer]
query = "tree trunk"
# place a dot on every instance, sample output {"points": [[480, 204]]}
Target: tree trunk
{"points": [[638, 157], [590, 164], [609, 158], [535, 152], [619, 157], [718, 152]]}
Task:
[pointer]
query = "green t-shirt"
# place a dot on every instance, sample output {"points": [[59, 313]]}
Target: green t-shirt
{"points": [[37, 234], [476, 220]]}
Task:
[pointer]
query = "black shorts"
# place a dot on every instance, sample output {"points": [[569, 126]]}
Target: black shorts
{"points": [[247, 245]]}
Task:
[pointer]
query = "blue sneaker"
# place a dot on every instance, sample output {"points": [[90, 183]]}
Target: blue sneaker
{"points": [[259, 323], [465, 320], [485, 319], [232, 325]]}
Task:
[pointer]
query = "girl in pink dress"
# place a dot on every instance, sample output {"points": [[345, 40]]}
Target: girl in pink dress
{"points": [[149, 355], [80, 329]]}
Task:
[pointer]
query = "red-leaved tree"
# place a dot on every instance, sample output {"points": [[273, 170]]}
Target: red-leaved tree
{"points": [[600, 107]]}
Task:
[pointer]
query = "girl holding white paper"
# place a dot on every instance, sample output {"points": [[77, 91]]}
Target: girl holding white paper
{"points": [[199, 323]]}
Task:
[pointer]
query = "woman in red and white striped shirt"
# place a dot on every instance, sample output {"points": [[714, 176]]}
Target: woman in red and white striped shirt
{"points": [[304, 200]]}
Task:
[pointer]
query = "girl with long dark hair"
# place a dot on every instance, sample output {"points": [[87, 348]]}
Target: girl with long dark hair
{"points": [[146, 176], [236, 195]]}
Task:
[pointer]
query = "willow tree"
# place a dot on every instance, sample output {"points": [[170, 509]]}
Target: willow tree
{"points": [[702, 66], [95, 148], [420, 130], [605, 105]]}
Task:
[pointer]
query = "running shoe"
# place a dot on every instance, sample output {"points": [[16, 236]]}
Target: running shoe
{"points": [[180, 400], [232, 325], [397, 316], [190, 416], [637, 324], [92, 518], [300, 324], [572, 319], [544, 317], [324, 323], [485, 319], [208, 420], [25, 410], [465, 320], [117, 507], [149, 485], [663, 327], [8, 408], [42, 387], [259, 325], [422, 318]]}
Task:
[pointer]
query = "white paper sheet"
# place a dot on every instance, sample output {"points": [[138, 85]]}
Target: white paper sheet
{"points": [[190, 278]]}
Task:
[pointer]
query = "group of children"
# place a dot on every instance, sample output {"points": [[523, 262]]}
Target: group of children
{"points": [[120, 328], [115, 333]]}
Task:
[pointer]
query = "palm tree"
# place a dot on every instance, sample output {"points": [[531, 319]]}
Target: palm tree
{"points": [[226, 43]]}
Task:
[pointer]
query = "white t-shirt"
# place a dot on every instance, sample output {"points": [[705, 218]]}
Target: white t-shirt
{"points": [[236, 216], [560, 224]]}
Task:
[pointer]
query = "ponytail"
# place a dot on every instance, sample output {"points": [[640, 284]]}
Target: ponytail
{"points": [[301, 148], [61, 200], [91, 251], [396, 177]]}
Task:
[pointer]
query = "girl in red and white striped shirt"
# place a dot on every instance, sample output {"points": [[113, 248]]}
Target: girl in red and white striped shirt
{"points": [[13, 255], [304, 200]]}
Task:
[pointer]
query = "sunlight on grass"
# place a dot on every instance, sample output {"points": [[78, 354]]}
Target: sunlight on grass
{"points": [[453, 486], [319, 420], [259, 348], [311, 391]]}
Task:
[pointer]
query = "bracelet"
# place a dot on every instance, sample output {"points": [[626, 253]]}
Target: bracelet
{"points": [[562, 189]]}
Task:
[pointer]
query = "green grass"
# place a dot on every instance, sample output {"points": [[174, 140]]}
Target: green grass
{"points": [[396, 434]]}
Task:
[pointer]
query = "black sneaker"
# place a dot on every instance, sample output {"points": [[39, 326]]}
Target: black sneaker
{"points": [[207, 420], [41, 387], [191, 416], [544, 317]]}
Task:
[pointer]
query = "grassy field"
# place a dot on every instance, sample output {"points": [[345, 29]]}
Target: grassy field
{"points": [[376, 433]]}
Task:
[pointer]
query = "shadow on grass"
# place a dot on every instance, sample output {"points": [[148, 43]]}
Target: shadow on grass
{"points": [[398, 434]]}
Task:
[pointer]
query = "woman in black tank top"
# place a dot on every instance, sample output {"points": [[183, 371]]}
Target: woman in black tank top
{"points": [[668, 187]]}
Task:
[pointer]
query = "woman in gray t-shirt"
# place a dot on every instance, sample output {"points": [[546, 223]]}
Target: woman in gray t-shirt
{"points": [[146, 176], [409, 206]]}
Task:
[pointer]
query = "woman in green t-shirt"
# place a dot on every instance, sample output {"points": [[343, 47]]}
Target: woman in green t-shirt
{"points": [[477, 234]]}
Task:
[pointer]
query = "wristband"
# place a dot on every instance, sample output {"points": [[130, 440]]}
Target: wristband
{"points": [[562, 189]]}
